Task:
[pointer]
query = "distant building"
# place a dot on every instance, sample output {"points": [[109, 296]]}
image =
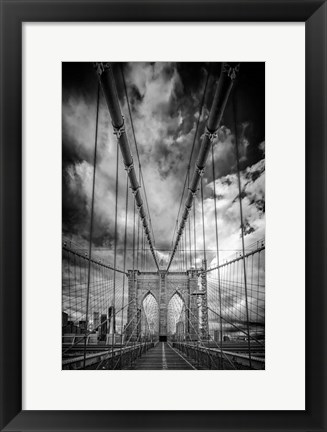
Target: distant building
{"points": [[111, 319], [70, 328], [82, 326], [96, 320], [216, 335], [104, 327], [180, 328], [64, 319]]}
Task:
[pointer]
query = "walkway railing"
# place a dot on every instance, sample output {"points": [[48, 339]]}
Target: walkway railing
{"points": [[214, 358], [119, 358]]}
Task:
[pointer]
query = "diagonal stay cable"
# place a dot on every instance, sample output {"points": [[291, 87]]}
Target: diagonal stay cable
{"points": [[223, 89], [193, 144]]}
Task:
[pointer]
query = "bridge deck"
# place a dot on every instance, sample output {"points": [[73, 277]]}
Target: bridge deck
{"points": [[162, 357]]}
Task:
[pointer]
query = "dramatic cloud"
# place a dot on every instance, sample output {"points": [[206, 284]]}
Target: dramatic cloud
{"points": [[165, 100]]}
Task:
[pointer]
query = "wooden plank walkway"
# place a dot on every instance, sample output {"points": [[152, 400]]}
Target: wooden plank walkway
{"points": [[162, 357]]}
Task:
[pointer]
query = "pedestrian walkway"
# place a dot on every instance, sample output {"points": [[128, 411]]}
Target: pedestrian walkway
{"points": [[162, 357]]}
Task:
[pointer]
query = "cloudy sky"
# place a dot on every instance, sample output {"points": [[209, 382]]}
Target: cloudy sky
{"points": [[165, 102]]}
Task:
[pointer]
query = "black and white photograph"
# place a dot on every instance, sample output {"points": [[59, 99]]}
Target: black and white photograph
{"points": [[137, 202], [163, 216]]}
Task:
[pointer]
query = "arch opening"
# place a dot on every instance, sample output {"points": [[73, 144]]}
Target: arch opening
{"points": [[150, 317], [176, 317]]}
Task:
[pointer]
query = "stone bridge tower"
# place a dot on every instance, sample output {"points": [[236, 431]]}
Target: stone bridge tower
{"points": [[163, 287]]}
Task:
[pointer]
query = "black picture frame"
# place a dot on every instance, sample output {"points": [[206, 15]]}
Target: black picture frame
{"points": [[13, 14]]}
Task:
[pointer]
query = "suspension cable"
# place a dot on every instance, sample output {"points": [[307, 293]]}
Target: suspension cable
{"points": [[189, 229], [203, 226], [187, 177], [222, 92], [199, 341], [69, 294], [237, 328], [134, 238], [242, 225], [199, 337], [205, 321], [185, 249], [217, 242], [112, 353], [175, 228], [107, 80], [80, 338], [194, 227], [137, 151], [115, 252], [91, 222], [125, 244], [138, 233]]}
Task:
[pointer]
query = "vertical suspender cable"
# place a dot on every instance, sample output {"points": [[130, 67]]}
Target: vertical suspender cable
{"points": [[91, 225], [258, 282], [115, 258], [124, 267], [138, 229], [187, 178], [175, 228], [143, 252], [137, 152], [205, 318], [134, 238], [242, 228], [217, 250], [133, 276], [75, 277], [194, 225], [189, 223], [185, 248], [145, 255], [223, 89], [203, 226], [80, 279], [183, 252], [172, 240], [69, 294], [106, 77]]}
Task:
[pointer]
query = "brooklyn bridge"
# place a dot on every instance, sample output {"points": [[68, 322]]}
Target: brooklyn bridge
{"points": [[142, 307]]}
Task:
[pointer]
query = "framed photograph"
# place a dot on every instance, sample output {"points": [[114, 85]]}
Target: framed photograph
{"points": [[163, 212]]}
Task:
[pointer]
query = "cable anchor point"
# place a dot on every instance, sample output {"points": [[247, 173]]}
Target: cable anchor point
{"points": [[211, 135], [119, 131], [230, 70], [193, 193], [128, 168], [199, 171], [134, 191], [100, 67]]}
